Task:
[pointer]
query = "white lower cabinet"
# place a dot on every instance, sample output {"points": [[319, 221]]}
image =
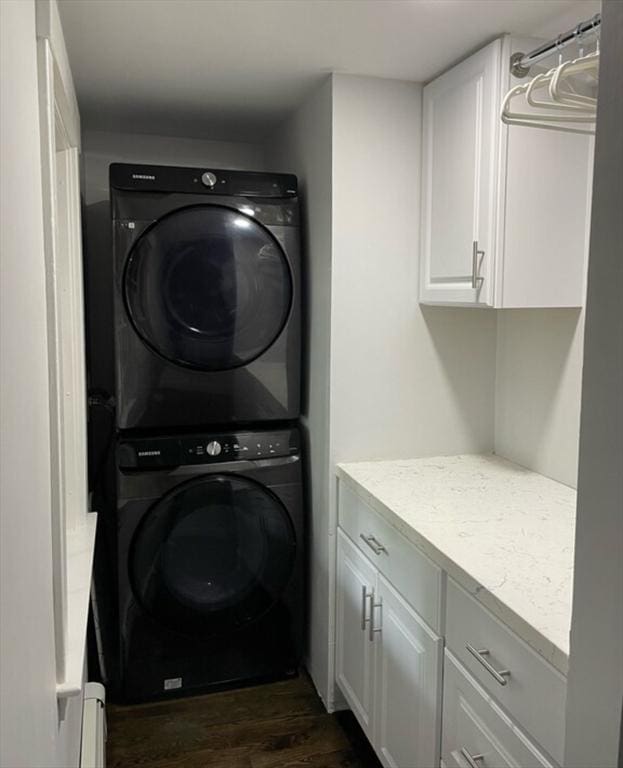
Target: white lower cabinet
{"points": [[356, 579], [477, 733], [530, 690], [388, 663], [407, 695], [503, 704]]}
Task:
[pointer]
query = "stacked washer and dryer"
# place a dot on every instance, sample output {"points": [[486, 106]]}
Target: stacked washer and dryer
{"points": [[208, 509]]}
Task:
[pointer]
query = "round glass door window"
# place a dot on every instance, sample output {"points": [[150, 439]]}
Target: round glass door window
{"points": [[213, 555], [208, 287]]}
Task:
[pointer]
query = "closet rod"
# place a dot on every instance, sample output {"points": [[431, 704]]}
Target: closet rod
{"points": [[521, 62]]}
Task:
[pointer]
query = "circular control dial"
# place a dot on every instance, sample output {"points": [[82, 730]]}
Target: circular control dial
{"points": [[208, 179], [213, 448]]}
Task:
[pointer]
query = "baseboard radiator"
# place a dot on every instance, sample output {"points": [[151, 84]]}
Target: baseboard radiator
{"points": [[93, 750]]}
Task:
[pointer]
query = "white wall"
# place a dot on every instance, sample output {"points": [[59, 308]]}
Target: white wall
{"points": [[594, 737], [537, 389], [302, 145], [102, 148], [406, 381], [33, 731]]}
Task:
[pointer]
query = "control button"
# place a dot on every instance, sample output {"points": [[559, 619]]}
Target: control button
{"points": [[213, 448], [208, 179]]}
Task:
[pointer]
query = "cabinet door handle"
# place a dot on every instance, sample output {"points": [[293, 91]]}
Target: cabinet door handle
{"points": [[500, 675], [364, 596], [374, 544], [372, 630], [476, 253], [472, 759]]}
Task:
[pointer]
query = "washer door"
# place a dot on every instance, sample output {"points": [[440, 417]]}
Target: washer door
{"points": [[208, 287], [213, 555]]}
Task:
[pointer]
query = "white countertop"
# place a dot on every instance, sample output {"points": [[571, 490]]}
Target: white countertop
{"points": [[506, 534]]}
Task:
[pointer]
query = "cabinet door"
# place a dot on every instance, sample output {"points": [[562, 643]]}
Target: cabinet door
{"points": [[460, 146], [356, 582], [408, 678]]}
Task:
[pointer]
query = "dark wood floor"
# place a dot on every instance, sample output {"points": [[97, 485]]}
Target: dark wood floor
{"points": [[280, 725]]}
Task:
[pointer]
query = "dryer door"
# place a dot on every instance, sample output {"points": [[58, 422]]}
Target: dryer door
{"points": [[213, 555], [208, 287]]}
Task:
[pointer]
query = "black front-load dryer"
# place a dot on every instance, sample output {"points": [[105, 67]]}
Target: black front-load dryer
{"points": [[210, 561], [206, 298]]}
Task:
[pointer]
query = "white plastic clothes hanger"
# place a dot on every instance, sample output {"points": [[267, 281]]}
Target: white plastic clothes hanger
{"points": [[572, 107], [567, 100], [554, 122], [584, 65]]}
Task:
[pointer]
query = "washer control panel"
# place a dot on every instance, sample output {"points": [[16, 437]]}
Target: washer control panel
{"points": [[172, 451]]}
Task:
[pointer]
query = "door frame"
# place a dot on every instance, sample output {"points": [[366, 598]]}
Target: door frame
{"points": [[60, 150]]}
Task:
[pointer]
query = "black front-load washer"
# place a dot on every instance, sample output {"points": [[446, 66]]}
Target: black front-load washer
{"points": [[206, 296], [210, 561]]}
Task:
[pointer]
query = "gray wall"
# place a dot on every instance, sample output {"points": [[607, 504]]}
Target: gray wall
{"points": [[101, 148], [595, 693]]}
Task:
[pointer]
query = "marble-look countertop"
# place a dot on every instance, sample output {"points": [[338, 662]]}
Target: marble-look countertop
{"points": [[506, 534]]}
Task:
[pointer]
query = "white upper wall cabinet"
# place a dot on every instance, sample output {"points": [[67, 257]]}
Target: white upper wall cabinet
{"points": [[460, 137], [505, 209]]}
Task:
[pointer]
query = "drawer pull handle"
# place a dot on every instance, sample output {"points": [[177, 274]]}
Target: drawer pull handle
{"points": [[364, 596], [374, 544], [472, 760], [371, 628], [476, 252], [500, 675]]}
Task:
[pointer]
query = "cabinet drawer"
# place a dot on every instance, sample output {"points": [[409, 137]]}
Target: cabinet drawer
{"points": [[531, 690], [416, 577], [475, 727]]}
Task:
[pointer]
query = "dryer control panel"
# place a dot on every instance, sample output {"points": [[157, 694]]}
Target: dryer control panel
{"points": [[208, 448], [205, 181]]}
